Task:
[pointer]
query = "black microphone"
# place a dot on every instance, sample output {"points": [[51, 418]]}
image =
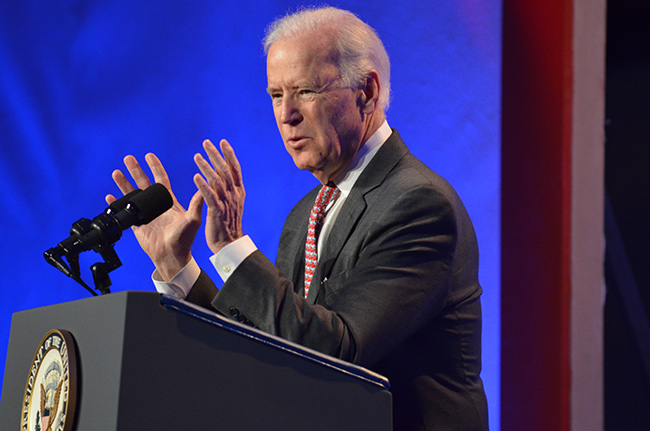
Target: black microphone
{"points": [[84, 225], [120, 204], [134, 209]]}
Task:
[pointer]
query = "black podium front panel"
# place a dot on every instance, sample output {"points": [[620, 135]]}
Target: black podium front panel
{"points": [[146, 363]]}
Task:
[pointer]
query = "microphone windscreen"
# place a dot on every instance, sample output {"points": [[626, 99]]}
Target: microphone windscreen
{"points": [[152, 202]]}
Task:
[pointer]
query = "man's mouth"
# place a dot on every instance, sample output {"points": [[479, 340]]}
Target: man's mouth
{"points": [[296, 141]]}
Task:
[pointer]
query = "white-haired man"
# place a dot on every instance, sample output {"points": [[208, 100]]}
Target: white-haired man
{"points": [[388, 279]]}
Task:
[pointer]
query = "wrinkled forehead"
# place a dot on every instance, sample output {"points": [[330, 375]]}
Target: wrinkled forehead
{"points": [[319, 36], [301, 57]]}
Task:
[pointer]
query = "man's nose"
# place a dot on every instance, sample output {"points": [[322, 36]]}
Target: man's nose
{"points": [[290, 112]]}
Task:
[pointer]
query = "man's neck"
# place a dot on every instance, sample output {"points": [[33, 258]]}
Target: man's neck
{"points": [[373, 123], [346, 179], [375, 120]]}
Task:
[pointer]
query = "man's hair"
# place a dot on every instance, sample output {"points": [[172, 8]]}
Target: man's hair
{"points": [[358, 45]]}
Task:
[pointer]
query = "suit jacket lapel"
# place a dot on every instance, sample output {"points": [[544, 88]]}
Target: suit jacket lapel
{"points": [[355, 205]]}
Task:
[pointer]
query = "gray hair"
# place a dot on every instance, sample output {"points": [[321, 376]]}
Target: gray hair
{"points": [[358, 45]]}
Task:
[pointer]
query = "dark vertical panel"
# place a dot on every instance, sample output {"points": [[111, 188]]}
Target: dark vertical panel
{"points": [[627, 176]]}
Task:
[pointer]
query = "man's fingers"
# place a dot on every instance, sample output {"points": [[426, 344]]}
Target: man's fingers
{"points": [[232, 162], [220, 165], [122, 183], [138, 175], [110, 199], [196, 205], [159, 173], [157, 169], [207, 192], [214, 179]]}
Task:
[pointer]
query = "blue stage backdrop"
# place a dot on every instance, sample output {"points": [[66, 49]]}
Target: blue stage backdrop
{"points": [[83, 83]]}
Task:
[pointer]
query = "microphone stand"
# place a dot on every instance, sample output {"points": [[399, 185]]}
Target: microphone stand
{"points": [[133, 209], [53, 257], [99, 270]]}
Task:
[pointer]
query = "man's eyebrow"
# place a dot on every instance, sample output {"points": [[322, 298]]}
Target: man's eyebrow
{"points": [[317, 84], [303, 84]]}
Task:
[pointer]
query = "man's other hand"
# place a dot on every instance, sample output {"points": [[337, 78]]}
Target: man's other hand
{"points": [[222, 189]]}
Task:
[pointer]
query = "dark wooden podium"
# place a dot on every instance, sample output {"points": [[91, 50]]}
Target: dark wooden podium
{"points": [[152, 362]]}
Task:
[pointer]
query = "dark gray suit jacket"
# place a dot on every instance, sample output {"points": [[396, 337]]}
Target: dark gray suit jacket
{"points": [[396, 290]]}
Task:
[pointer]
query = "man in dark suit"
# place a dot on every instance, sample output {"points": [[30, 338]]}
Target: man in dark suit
{"points": [[388, 278]]}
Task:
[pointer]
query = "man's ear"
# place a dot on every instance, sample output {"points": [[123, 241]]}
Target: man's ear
{"points": [[369, 96]]}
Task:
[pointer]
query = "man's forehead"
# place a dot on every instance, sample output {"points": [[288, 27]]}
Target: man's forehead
{"points": [[313, 46], [299, 49], [300, 63]]}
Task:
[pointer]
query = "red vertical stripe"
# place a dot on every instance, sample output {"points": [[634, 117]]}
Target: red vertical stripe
{"points": [[536, 208]]}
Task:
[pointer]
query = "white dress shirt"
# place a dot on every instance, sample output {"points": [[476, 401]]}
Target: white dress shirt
{"points": [[232, 255]]}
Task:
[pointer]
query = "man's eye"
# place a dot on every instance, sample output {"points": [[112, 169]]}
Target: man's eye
{"points": [[306, 92]]}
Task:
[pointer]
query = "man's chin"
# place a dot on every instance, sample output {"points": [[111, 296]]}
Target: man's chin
{"points": [[318, 173], [305, 164]]}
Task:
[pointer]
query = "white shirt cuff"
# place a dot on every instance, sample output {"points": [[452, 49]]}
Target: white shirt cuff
{"points": [[181, 284], [231, 256]]}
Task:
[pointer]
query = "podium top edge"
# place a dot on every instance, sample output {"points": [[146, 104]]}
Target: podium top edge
{"points": [[306, 353]]}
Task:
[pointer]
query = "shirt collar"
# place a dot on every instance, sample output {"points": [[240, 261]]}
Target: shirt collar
{"points": [[345, 181]]}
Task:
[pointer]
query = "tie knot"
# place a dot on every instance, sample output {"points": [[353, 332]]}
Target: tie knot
{"points": [[326, 195]]}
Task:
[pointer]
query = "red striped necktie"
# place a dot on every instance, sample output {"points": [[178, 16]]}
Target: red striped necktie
{"points": [[326, 195]]}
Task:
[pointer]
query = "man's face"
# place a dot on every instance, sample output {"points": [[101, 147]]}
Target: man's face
{"points": [[321, 123]]}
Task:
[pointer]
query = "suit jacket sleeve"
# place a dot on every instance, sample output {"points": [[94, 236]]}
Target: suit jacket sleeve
{"points": [[388, 281]]}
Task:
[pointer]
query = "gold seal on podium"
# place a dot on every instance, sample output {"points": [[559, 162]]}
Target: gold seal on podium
{"points": [[51, 391]]}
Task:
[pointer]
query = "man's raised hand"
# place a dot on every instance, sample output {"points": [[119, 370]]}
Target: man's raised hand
{"points": [[222, 189], [168, 239]]}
